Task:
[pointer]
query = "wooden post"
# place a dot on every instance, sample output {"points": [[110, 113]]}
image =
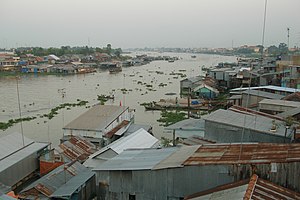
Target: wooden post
{"points": [[174, 142], [189, 99]]}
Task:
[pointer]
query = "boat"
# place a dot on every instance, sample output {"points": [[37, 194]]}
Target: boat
{"points": [[115, 70]]}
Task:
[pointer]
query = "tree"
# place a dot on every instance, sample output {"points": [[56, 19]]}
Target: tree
{"points": [[108, 48], [273, 50], [282, 48]]}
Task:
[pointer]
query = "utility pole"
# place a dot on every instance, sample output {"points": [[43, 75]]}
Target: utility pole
{"points": [[22, 132], [288, 37]]}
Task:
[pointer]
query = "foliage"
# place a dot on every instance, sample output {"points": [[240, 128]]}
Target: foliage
{"points": [[11, 122], [289, 121], [63, 50], [168, 117], [165, 142]]}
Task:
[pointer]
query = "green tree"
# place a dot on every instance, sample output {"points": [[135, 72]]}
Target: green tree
{"points": [[283, 49], [108, 48]]}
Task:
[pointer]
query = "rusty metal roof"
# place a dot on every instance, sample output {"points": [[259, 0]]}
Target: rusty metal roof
{"points": [[211, 154], [255, 188], [77, 148], [58, 178]]}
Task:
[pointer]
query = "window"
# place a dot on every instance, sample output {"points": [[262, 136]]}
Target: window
{"points": [[131, 196]]}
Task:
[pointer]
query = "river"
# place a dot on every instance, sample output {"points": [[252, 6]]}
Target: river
{"points": [[39, 93]]}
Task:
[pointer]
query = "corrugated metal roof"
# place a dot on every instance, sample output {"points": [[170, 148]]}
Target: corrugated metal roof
{"points": [[255, 188], [249, 121], [73, 184], [196, 140], [12, 143], [77, 148], [61, 177], [271, 87], [138, 139], [97, 118], [136, 159], [288, 113], [188, 124], [134, 127], [233, 97], [177, 158], [21, 154], [193, 79], [294, 104], [268, 95], [212, 154]]}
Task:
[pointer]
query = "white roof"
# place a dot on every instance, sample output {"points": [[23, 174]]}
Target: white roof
{"points": [[54, 57], [136, 140], [270, 87]]}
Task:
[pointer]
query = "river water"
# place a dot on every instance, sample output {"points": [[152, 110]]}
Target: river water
{"points": [[39, 93]]}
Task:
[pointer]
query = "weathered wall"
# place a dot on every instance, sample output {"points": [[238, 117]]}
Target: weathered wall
{"points": [[225, 133]]}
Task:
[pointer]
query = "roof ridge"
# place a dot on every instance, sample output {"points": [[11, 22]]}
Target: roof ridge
{"points": [[251, 187]]}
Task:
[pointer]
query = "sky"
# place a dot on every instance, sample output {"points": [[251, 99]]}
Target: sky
{"points": [[147, 23]]}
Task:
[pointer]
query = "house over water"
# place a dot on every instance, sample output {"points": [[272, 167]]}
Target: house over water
{"points": [[101, 124]]}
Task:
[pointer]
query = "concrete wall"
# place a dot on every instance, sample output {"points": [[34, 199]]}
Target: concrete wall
{"points": [[226, 133]]}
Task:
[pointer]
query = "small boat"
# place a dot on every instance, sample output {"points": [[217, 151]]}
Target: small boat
{"points": [[115, 70]]}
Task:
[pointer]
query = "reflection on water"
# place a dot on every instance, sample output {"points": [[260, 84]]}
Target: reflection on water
{"points": [[38, 94]]}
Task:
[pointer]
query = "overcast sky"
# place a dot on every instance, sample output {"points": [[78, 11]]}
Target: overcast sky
{"points": [[147, 23]]}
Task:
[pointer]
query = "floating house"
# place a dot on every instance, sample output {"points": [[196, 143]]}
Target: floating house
{"points": [[205, 91], [101, 124], [19, 159], [188, 84]]}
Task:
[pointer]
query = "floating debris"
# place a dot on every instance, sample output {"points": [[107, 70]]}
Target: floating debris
{"points": [[11, 122], [162, 85], [170, 93]]}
